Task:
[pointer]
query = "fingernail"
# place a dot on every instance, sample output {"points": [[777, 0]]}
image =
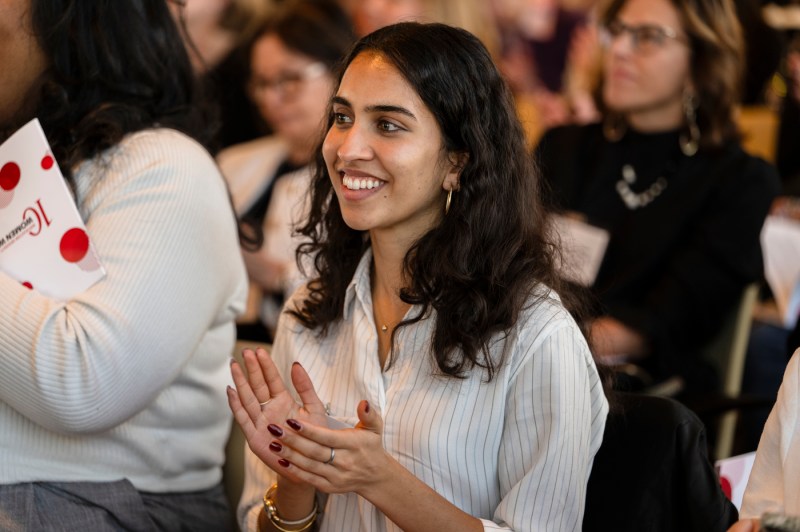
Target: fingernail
{"points": [[275, 430], [275, 447], [297, 364], [284, 463], [366, 407], [294, 424]]}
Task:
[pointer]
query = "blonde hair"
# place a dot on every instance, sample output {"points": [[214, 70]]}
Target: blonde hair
{"points": [[716, 64]]}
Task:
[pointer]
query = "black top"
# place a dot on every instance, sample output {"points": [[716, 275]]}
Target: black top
{"points": [[674, 268], [652, 472]]}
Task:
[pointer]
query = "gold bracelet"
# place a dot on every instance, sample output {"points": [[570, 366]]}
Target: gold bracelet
{"points": [[278, 522]]}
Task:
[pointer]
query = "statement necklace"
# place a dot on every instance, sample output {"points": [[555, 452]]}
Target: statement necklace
{"points": [[636, 200]]}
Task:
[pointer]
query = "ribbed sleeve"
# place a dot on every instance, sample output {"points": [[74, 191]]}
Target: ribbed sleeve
{"points": [[110, 375]]}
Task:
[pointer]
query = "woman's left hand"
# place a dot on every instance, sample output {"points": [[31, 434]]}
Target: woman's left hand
{"points": [[337, 461]]}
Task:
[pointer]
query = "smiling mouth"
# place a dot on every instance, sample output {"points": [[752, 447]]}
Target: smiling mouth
{"points": [[360, 183]]}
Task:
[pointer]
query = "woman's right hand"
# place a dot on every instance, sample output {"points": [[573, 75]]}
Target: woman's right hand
{"points": [[261, 401]]}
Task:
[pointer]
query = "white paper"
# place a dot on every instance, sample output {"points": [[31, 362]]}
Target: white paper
{"points": [[582, 247], [780, 242], [43, 240], [733, 475]]}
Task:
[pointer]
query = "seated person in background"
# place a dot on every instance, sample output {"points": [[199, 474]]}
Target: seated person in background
{"points": [[291, 80], [434, 324], [774, 484], [665, 175], [112, 403], [219, 34]]}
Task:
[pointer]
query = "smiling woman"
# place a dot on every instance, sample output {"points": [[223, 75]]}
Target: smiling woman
{"points": [[434, 322], [386, 157]]}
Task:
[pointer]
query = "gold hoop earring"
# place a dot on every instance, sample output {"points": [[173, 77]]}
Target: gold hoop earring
{"points": [[447, 202], [690, 144], [614, 127]]}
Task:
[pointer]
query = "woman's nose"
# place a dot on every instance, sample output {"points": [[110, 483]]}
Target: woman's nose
{"points": [[353, 144]]}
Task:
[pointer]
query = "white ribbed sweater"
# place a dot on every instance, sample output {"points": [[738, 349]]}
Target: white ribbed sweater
{"points": [[127, 380]]}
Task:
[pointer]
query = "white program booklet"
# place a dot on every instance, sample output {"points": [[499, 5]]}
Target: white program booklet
{"points": [[583, 247], [43, 240], [733, 475], [780, 241]]}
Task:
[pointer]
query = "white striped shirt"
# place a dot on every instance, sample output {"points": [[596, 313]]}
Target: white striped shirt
{"points": [[515, 452]]}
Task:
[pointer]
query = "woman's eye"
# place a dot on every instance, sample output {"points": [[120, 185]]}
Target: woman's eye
{"points": [[388, 127], [341, 118]]}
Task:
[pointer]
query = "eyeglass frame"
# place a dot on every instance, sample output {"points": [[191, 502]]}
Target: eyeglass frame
{"points": [[258, 90], [638, 33]]}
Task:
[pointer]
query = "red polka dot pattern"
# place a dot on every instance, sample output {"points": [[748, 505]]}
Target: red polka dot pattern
{"points": [[9, 176], [27, 285], [74, 245], [726, 486], [47, 162]]}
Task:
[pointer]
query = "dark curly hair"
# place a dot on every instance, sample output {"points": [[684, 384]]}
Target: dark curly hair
{"points": [[115, 67], [483, 263]]}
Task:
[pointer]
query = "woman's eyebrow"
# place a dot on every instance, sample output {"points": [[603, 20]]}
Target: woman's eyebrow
{"points": [[389, 109], [378, 108], [341, 101]]}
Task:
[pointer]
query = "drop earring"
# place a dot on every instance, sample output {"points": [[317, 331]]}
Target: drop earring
{"points": [[690, 144]]}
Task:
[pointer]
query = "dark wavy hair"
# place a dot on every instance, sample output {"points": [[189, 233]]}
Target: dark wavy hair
{"points": [[480, 266], [319, 29], [115, 67], [716, 64]]}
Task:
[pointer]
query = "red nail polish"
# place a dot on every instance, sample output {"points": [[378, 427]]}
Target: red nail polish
{"points": [[294, 424], [275, 447], [275, 430], [284, 463]]}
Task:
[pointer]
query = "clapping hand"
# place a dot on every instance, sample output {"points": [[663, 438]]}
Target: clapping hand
{"points": [[261, 401], [334, 461]]}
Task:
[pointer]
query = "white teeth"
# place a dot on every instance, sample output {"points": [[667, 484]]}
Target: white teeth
{"points": [[353, 183]]}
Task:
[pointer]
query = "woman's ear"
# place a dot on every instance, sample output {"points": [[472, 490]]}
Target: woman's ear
{"points": [[457, 162]]}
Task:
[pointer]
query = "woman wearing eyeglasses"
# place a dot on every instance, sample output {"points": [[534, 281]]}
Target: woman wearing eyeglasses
{"points": [[290, 82], [665, 175]]}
